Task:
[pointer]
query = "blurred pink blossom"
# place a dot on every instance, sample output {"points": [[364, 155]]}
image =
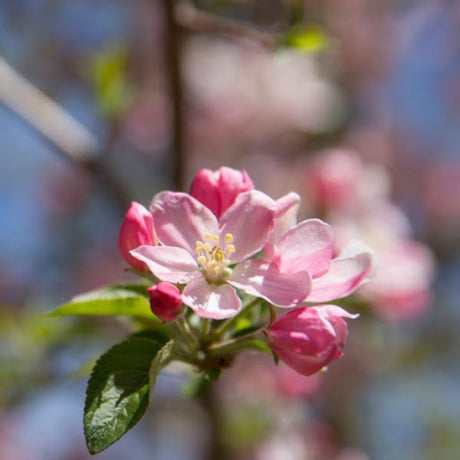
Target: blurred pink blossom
{"points": [[401, 286], [358, 207], [339, 181]]}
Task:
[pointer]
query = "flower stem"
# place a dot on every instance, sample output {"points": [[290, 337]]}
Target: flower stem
{"points": [[205, 330], [233, 345], [232, 321], [216, 447]]}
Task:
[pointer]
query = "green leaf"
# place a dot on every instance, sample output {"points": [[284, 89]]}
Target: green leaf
{"points": [[118, 390], [309, 39], [122, 300]]}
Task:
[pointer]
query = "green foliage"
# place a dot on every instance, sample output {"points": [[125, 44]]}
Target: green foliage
{"points": [[118, 390], [110, 82], [308, 39], [121, 300]]}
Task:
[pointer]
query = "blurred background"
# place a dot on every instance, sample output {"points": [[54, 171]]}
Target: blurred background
{"points": [[354, 104]]}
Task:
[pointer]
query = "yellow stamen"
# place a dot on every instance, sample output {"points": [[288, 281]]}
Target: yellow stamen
{"points": [[213, 258]]}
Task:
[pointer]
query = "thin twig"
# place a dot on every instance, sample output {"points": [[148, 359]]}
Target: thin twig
{"points": [[194, 20], [52, 121], [212, 407], [173, 39], [72, 140]]}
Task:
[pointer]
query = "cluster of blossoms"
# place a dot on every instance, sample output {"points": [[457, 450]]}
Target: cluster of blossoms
{"points": [[227, 247]]}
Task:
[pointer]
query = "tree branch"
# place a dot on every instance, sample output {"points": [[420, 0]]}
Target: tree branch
{"points": [[173, 39], [72, 140], [198, 21]]}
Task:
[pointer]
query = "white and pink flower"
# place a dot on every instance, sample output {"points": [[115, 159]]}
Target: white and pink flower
{"points": [[210, 255]]}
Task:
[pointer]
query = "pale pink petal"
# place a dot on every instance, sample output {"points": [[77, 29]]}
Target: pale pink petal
{"points": [[249, 220], [286, 209], [168, 263], [331, 311], [211, 301], [206, 190], [309, 246], [333, 315], [181, 220], [258, 278], [343, 277], [231, 183]]}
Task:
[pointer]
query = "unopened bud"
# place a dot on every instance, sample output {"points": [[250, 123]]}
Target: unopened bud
{"points": [[165, 301], [218, 190], [136, 230]]}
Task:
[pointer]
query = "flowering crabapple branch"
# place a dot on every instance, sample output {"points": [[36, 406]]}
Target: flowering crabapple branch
{"points": [[232, 270]]}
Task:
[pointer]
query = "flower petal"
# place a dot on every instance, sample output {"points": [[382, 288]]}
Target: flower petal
{"points": [[343, 277], [205, 189], [181, 220], [168, 263], [309, 246], [286, 211], [249, 220], [333, 315], [258, 278], [210, 300], [231, 183], [331, 311]]}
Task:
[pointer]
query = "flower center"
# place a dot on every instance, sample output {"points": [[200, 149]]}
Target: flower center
{"points": [[214, 257]]}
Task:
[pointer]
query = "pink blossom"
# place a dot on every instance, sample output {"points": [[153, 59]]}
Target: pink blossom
{"points": [[136, 229], [308, 338], [209, 255], [310, 246], [339, 181], [165, 301], [218, 190], [401, 286]]}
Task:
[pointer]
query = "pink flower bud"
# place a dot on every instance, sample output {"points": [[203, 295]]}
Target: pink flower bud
{"points": [[165, 301], [218, 190], [136, 230], [307, 339]]}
